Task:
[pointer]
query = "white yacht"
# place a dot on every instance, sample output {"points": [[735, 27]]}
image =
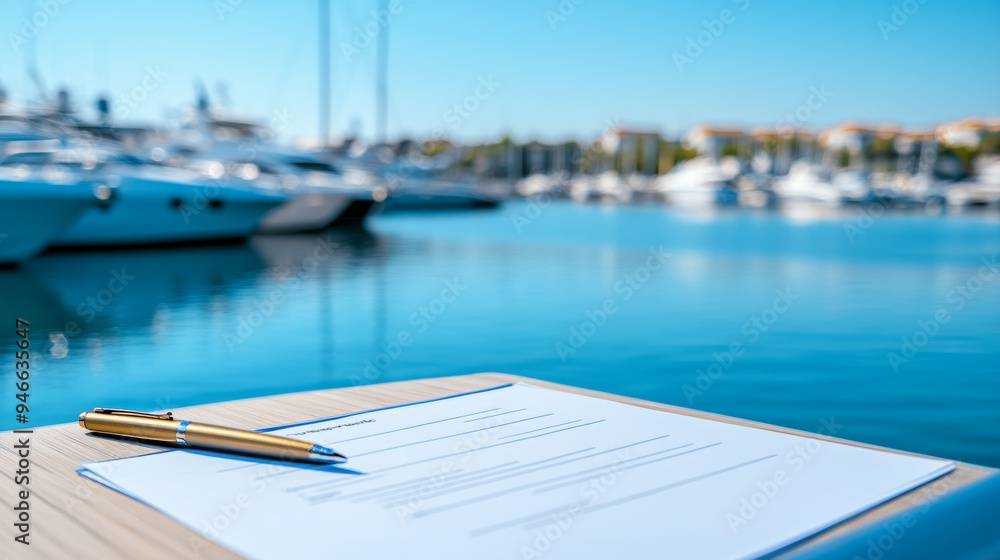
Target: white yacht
{"points": [[36, 207], [604, 187], [163, 206], [415, 188], [413, 182], [324, 195], [319, 195], [900, 188], [700, 182], [981, 190], [152, 204], [416, 193], [542, 184], [806, 183], [852, 186]]}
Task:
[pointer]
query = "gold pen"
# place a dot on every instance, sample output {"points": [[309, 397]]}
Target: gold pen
{"points": [[163, 428]]}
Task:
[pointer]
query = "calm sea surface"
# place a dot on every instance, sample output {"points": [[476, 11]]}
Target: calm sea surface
{"points": [[793, 320]]}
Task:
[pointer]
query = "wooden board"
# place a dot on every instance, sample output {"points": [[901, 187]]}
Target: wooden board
{"points": [[73, 517]]}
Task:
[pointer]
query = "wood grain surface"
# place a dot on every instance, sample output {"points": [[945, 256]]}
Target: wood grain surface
{"points": [[73, 517]]}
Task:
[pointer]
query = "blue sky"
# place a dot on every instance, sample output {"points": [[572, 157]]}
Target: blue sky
{"points": [[560, 69]]}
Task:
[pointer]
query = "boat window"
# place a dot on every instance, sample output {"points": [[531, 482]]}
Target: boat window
{"points": [[27, 158], [129, 160], [314, 166]]}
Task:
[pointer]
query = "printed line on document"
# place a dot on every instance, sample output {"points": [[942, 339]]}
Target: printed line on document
{"points": [[495, 415], [412, 443], [529, 521]]}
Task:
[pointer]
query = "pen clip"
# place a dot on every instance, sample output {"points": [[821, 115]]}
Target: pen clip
{"points": [[119, 412]]}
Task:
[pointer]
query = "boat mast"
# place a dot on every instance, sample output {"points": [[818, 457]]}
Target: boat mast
{"points": [[31, 61], [3, 93], [381, 86], [324, 71]]}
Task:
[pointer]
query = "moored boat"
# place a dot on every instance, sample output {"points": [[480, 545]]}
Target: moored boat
{"points": [[700, 182], [806, 184], [319, 195], [36, 207], [169, 206]]}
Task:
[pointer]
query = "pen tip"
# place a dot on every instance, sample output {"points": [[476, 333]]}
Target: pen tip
{"points": [[325, 455]]}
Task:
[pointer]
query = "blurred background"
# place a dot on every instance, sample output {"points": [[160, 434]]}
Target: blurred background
{"points": [[780, 212]]}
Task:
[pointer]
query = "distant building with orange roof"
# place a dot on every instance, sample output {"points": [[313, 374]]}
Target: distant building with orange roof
{"points": [[711, 141], [967, 132], [761, 134], [627, 145], [855, 137]]}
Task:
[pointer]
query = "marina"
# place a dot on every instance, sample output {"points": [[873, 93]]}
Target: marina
{"points": [[207, 246], [500, 280], [284, 313], [210, 244], [215, 178]]}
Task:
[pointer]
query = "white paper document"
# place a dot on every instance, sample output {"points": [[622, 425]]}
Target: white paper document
{"points": [[521, 472]]}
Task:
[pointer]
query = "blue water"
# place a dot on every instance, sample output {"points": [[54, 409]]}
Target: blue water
{"points": [[564, 293]]}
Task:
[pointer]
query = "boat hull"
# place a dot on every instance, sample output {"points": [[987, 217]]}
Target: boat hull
{"points": [[317, 211], [973, 195], [30, 223], [417, 201], [696, 198], [427, 194], [149, 212]]}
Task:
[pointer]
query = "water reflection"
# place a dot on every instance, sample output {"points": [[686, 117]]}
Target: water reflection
{"points": [[323, 257], [349, 248], [292, 313], [106, 293], [26, 296]]}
